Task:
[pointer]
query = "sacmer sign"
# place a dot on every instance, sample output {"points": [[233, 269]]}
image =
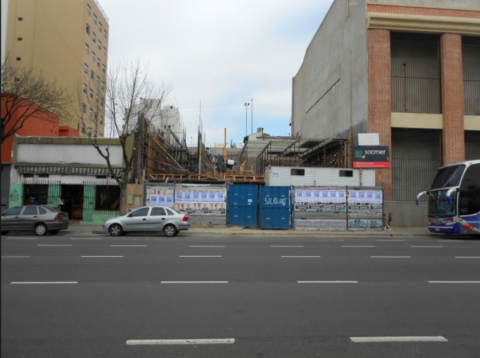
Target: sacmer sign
{"points": [[371, 157]]}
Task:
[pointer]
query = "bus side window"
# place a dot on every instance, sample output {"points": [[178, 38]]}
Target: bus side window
{"points": [[470, 191]]}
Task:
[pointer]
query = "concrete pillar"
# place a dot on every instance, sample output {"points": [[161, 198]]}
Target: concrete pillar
{"points": [[453, 110], [380, 97]]}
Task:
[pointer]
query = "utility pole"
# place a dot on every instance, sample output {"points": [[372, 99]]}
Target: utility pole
{"points": [[246, 118], [251, 115]]}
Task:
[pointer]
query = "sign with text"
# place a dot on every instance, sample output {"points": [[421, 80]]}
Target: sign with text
{"points": [[371, 156]]}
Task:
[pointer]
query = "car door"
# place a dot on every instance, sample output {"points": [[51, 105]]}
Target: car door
{"points": [[137, 220], [10, 219], [28, 218], [157, 219]]}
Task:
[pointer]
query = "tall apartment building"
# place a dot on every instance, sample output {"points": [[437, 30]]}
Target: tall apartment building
{"points": [[67, 40], [406, 69]]}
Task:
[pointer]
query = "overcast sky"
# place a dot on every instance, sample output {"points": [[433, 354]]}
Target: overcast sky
{"points": [[220, 52]]}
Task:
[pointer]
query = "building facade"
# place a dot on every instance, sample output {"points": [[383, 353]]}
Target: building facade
{"points": [[406, 69], [67, 41]]}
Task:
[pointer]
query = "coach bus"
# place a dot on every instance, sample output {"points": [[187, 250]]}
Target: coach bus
{"points": [[454, 199]]}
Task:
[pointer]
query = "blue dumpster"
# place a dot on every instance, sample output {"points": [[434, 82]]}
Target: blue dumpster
{"points": [[242, 204], [275, 209]]}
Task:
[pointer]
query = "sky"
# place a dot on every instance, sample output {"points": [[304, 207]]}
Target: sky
{"points": [[222, 53]]}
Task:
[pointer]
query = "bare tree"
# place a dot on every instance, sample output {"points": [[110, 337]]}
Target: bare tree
{"points": [[26, 94], [131, 100]]}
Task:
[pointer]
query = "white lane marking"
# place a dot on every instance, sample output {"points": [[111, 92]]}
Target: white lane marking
{"points": [[187, 256], [207, 245], [427, 247], [54, 245], [43, 283], [327, 281], [22, 238], [300, 257], [467, 257], [128, 245], [101, 256], [181, 282], [85, 238], [399, 339], [136, 342], [446, 240], [391, 257], [286, 246], [15, 257], [358, 245], [453, 281], [391, 240]]}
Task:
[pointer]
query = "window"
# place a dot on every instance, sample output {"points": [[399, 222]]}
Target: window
{"points": [[30, 210], [99, 44], [89, 9], [89, 132], [92, 75], [20, 19], [170, 212], [157, 212], [96, 116], [105, 33], [90, 113], [103, 68], [85, 87], [100, 26], [102, 102], [19, 39], [103, 85], [98, 81], [94, 37], [93, 56], [19, 59], [96, 98], [42, 211], [13, 211], [91, 93], [84, 108], [88, 29], [87, 49], [346, 173], [94, 18], [35, 194], [98, 62], [297, 172], [83, 128], [28, 175], [101, 119], [43, 175], [85, 68], [470, 191], [104, 50], [139, 212]]}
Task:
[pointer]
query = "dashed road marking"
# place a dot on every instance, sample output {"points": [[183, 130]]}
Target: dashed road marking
{"points": [[467, 257], [15, 257], [358, 245], [136, 342], [198, 256], [207, 245], [398, 339], [327, 281], [85, 238], [300, 257], [48, 245], [453, 281], [101, 256], [22, 238], [391, 257], [194, 282], [286, 246], [387, 240], [128, 245], [427, 246], [44, 283]]}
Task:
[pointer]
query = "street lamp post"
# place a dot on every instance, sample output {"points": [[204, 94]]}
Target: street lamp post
{"points": [[246, 118]]}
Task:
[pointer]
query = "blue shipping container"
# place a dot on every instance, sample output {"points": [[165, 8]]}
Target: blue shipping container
{"points": [[275, 208], [242, 205]]}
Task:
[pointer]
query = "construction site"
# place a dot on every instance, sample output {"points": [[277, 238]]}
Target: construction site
{"points": [[166, 158]]}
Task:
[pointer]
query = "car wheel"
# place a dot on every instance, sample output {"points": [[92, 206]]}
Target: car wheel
{"points": [[40, 229], [4, 232], [115, 230], [170, 230], [54, 232]]}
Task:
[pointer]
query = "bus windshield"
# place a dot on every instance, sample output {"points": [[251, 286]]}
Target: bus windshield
{"points": [[448, 177], [437, 205]]}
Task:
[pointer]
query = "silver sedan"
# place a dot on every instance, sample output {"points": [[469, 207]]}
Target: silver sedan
{"points": [[41, 219], [148, 219]]}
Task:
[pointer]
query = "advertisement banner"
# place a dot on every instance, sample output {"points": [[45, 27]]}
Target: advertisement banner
{"points": [[159, 196], [321, 200], [375, 156], [201, 201]]}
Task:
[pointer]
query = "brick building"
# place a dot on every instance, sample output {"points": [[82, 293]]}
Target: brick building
{"points": [[406, 69]]}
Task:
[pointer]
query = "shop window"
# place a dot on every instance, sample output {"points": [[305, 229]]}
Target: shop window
{"points": [[107, 198], [36, 194]]}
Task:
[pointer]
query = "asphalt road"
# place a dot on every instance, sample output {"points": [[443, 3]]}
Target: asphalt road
{"points": [[97, 296]]}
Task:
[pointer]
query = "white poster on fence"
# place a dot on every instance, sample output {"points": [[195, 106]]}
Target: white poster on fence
{"points": [[201, 201], [159, 196]]}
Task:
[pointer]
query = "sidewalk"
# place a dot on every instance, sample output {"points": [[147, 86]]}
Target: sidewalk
{"points": [[240, 231]]}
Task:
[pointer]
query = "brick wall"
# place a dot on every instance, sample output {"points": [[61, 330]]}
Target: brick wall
{"points": [[380, 97], [452, 98]]}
